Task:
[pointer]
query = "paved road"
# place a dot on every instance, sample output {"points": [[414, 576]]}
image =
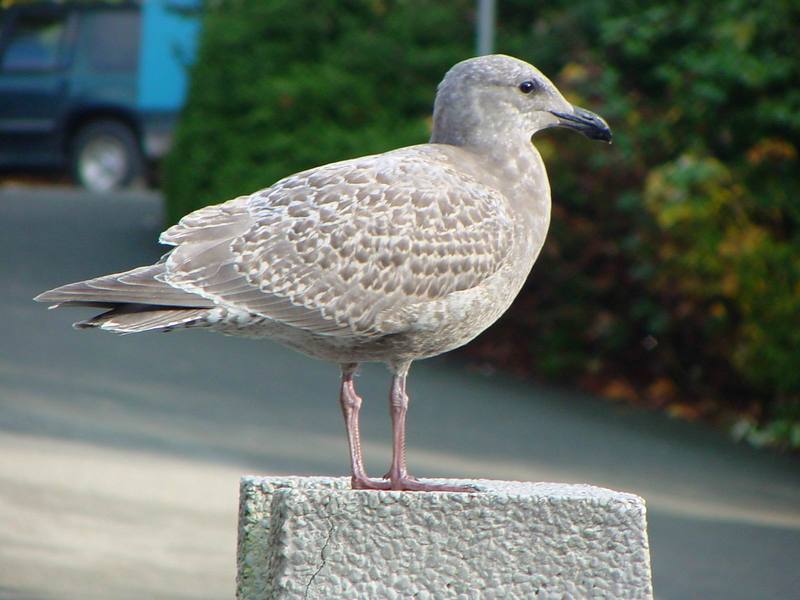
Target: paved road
{"points": [[120, 456]]}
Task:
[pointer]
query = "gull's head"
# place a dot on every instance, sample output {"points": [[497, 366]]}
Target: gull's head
{"points": [[499, 95]]}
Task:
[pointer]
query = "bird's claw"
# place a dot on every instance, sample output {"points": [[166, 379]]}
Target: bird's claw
{"points": [[410, 484], [407, 483], [365, 483]]}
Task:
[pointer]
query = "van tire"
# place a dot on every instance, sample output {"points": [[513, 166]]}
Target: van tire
{"points": [[105, 156]]}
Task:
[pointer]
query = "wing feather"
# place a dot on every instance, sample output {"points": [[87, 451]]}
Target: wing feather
{"points": [[340, 249]]}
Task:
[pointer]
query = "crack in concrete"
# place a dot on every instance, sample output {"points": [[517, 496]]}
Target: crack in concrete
{"points": [[323, 558]]}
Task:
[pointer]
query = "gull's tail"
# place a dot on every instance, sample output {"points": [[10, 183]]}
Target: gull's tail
{"points": [[137, 300]]}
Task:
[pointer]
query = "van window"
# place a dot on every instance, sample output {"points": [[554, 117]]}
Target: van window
{"points": [[34, 43], [113, 40]]}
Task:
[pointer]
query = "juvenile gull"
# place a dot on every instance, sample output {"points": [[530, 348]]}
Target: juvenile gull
{"points": [[387, 258]]}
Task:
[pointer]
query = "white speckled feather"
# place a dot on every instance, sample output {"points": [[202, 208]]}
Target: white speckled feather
{"points": [[333, 249]]}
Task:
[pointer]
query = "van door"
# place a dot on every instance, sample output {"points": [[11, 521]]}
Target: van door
{"points": [[35, 50]]}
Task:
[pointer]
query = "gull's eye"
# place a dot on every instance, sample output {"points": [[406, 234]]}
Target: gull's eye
{"points": [[526, 87]]}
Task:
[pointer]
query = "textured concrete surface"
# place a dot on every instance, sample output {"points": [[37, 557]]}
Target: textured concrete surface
{"points": [[313, 537]]}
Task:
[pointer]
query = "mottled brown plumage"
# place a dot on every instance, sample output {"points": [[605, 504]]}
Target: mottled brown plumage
{"points": [[392, 257]]}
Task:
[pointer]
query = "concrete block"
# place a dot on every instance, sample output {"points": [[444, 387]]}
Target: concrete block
{"points": [[314, 538]]}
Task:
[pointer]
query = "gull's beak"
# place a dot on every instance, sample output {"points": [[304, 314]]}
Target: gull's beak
{"points": [[589, 124]]}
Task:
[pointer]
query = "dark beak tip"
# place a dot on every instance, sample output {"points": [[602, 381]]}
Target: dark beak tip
{"points": [[604, 136]]}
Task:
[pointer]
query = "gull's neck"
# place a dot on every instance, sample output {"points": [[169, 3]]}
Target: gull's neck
{"points": [[509, 150], [485, 140], [496, 134]]}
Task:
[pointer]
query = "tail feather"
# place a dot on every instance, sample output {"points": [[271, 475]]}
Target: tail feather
{"points": [[133, 318], [137, 300], [143, 285]]}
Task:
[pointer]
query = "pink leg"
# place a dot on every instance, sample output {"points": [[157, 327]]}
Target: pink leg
{"points": [[398, 476], [351, 404]]}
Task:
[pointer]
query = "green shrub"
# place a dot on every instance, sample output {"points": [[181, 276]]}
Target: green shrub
{"points": [[676, 262]]}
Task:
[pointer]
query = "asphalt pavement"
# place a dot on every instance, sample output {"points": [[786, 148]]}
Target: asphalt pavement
{"points": [[120, 455]]}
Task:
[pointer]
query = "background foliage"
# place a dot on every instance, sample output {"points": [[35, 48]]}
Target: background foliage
{"points": [[285, 85], [672, 272]]}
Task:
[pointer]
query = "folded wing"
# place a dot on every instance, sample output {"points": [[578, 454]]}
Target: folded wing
{"points": [[340, 249]]}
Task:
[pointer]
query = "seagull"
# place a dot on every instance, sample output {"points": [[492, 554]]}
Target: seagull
{"points": [[391, 258]]}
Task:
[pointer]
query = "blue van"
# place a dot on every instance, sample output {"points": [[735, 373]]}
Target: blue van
{"points": [[94, 87]]}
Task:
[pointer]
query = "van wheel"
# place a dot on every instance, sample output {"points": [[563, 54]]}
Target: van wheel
{"points": [[105, 156]]}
